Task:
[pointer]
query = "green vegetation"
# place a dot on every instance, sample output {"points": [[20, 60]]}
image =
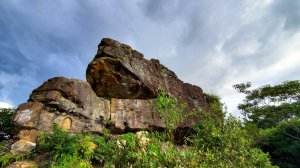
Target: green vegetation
{"points": [[6, 157], [216, 110], [170, 110], [272, 120], [268, 105], [215, 141], [64, 150], [5, 122]]}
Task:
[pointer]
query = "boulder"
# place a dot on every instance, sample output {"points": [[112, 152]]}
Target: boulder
{"points": [[120, 87], [70, 103], [21, 147], [118, 71], [27, 114]]}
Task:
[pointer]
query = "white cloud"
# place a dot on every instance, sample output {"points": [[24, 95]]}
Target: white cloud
{"points": [[5, 105], [210, 44]]}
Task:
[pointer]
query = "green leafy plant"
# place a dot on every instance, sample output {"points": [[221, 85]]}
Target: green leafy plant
{"points": [[7, 158], [65, 150], [212, 145], [215, 142], [268, 105], [282, 143], [52, 109], [170, 109], [5, 121], [272, 119], [227, 146]]}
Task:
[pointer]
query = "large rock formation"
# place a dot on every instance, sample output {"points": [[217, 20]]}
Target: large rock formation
{"points": [[121, 85], [118, 71], [68, 102], [73, 105]]}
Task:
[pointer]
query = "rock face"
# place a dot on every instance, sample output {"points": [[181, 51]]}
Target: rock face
{"points": [[118, 71], [120, 87], [70, 103], [73, 105], [134, 115]]}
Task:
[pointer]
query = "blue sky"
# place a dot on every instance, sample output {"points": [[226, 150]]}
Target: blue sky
{"points": [[210, 43]]}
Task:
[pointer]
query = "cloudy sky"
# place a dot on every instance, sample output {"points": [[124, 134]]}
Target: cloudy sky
{"points": [[210, 43]]}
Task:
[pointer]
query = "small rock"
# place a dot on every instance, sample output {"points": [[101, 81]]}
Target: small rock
{"points": [[22, 146], [141, 137], [23, 164]]}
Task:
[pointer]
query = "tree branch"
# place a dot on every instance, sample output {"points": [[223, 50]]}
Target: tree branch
{"points": [[295, 137]]}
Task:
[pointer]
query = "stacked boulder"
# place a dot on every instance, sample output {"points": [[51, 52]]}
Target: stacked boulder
{"points": [[120, 87]]}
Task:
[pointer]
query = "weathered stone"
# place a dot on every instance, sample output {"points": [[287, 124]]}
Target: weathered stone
{"points": [[23, 164], [22, 146], [29, 135], [71, 96], [70, 103], [133, 115], [125, 83], [26, 115], [117, 71], [46, 120]]}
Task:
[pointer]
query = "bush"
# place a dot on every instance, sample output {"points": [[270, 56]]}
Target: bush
{"points": [[5, 122], [65, 150], [212, 144], [227, 146], [216, 142], [170, 109], [209, 146]]}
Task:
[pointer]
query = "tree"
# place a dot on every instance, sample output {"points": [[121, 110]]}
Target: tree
{"points": [[282, 143], [268, 105], [272, 115]]}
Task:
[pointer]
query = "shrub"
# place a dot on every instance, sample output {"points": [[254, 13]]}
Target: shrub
{"points": [[210, 146], [213, 144], [5, 122], [65, 150], [170, 110], [227, 146]]}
